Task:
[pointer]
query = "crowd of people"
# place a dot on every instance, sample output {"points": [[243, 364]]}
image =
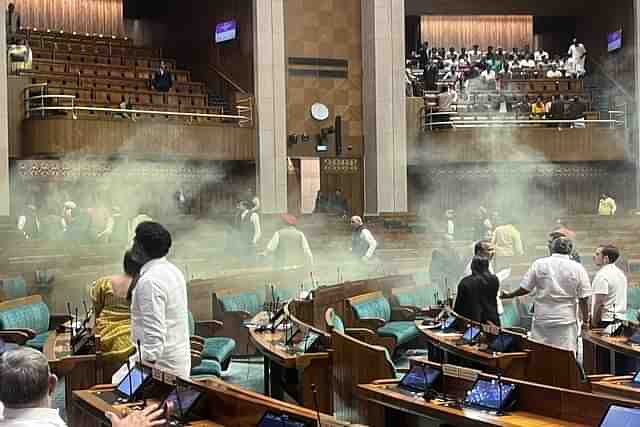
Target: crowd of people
{"points": [[484, 69]]}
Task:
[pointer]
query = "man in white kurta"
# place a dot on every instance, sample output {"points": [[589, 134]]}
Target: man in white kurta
{"points": [[561, 287], [159, 313]]}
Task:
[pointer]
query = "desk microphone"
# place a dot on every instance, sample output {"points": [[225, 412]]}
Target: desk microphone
{"points": [[314, 390], [75, 323], [86, 311], [499, 410], [144, 401], [130, 399], [70, 318]]}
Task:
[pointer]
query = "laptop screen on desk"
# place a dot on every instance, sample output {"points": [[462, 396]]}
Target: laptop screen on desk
{"points": [[620, 416], [492, 395], [420, 378]]}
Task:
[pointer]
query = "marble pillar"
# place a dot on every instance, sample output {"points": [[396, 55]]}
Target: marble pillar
{"points": [[271, 109], [384, 106], [4, 120]]}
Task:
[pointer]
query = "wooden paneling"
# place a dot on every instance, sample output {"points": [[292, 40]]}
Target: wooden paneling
{"points": [[519, 145], [487, 30], [141, 139], [518, 189], [15, 87], [90, 16], [326, 30], [346, 174], [190, 27]]}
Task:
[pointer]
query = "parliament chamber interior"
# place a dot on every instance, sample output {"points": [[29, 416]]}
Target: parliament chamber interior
{"points": [[293, 213]]}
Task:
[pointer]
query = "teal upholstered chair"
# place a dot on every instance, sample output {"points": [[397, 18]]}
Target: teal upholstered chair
{"points": [[395, 326], [13, 287], [215, 351], [416, 298], [233, 307], [30, 316], [633, 303]]}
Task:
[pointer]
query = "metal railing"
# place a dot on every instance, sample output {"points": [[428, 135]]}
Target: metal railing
{"points": [[472, 121], [37, 102]]}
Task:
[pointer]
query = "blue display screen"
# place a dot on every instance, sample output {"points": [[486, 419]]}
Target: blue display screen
{"points": [[271, 419], [636, 378], [490, 394], [183, 400], [420, 378], [448, 323], [471, 334], [132, 382], [501, 343], [620, 416]]}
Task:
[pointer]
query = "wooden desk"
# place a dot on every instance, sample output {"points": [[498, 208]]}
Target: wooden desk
{"points": [[226, 405], [534, 361], [512, 364], [617, 386], [79, 372], [604, 354], [537, 405], [285, 370]]}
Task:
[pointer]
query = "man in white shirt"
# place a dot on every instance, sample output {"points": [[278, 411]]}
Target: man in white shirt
{"points": [[29, 223], [554, 73], [159, 320], [578, 54], [540, 55], [609, 288], [248, 228], [561, 287], [26, 388], [363, 244], [289, 245]]}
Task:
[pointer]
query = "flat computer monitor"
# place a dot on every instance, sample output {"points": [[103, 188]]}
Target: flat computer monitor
{"points": [[471, 334], [274, 419], [133, 381], [181, 401], [420, 378], [491, 395], [621, 416], [501, 343]]}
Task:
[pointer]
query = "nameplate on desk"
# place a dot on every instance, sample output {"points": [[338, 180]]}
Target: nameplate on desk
{"points": [[451, 370], [468, 374]]}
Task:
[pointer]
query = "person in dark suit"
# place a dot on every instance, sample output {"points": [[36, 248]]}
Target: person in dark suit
{"points": [[477, 294], [162, 79]]}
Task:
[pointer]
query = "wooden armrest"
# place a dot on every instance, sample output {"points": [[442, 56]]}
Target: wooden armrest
{"points": [[208, 328], [600, 377], [402, 314], [197, 346], [15, 336], [372, 323]]}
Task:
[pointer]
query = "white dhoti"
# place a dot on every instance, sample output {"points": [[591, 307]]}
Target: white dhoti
{"points": [[562, 336]]}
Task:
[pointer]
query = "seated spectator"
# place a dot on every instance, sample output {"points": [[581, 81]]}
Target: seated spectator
{"points": [[125, 104], [577, 110], [570, 69], [554, 73], [540, 55], [452, 54], [537, 109], [162, 80], [475, 55], [26, 391], [20, 57], [488, 77]]}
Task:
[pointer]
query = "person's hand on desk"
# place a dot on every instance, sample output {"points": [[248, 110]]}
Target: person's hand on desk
{"points": [[149, 417]]}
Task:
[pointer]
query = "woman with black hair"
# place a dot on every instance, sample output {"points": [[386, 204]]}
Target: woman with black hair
{"points": [[477, 294], [111, 298]]}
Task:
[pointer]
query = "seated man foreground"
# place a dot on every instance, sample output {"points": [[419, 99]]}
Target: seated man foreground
{"points": [[26, 389]]}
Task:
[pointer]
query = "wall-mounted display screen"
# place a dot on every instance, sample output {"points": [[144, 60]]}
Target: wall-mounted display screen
{"points": [[226, 31]]}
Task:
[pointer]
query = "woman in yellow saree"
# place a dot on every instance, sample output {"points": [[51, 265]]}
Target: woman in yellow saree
{"points": [[111, 302]]}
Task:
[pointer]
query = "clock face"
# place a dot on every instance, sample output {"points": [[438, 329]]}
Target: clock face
{"points": [[319, 111]]}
